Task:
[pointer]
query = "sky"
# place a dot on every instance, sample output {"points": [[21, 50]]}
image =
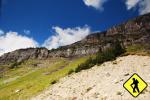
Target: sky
{"points": [[54, 23]]}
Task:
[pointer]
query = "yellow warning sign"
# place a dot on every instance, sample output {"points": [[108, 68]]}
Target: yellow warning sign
{"points": [[135, 85]]}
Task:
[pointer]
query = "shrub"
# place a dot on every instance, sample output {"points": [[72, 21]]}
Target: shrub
{"points": [[87, 64], [54, 81], [118, 48], [70, 71], [14, 65], [107, 55]]}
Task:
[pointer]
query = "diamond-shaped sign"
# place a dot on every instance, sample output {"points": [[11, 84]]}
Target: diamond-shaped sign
{"points": [[135, 85]]}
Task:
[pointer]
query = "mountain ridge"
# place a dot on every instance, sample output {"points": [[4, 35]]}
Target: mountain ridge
{"points": [[135, 31]]}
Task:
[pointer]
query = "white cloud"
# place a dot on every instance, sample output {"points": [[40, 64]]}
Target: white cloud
{"points": [[131, 3], [66, 36], [142, 5], [12, 41], [98, 4]]}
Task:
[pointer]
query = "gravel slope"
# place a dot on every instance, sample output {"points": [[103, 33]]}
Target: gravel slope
{"points": [[104, 82]]}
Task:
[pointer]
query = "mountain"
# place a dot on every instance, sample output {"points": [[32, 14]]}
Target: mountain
{"points": [[132, 32], [25, 73]]}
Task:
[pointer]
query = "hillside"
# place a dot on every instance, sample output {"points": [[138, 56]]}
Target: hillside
{"points": [[104, 82], [25, 73], [33, 76]]}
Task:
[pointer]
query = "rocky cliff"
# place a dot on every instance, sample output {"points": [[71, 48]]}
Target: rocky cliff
{"points": [[24, 54], [135, 31]]}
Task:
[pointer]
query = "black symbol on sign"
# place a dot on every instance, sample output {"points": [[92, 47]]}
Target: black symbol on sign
{"points": [[134, 85]]}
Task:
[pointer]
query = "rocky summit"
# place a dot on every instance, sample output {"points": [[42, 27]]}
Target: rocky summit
{"points": [[135, 31]]}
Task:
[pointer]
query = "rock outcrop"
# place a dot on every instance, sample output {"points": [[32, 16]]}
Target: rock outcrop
{"points": [[24, 54], [136, 31]]}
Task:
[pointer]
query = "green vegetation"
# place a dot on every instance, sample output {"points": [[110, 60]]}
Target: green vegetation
{"points": [[138, 50], [70, 71], [112, 53], [135, 48], [107, 55], [28, 80], [14, 65], [54, 81]]}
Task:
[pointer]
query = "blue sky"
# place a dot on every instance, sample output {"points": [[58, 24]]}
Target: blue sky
{"points": [[48, 21]]}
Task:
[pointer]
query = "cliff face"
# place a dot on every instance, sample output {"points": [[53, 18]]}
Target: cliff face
{"points": [[24, 54], [136, 31]]}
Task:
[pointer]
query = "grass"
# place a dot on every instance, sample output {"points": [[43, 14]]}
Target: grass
{"points": [[33, 76], [138, 50], [32, 80]]}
